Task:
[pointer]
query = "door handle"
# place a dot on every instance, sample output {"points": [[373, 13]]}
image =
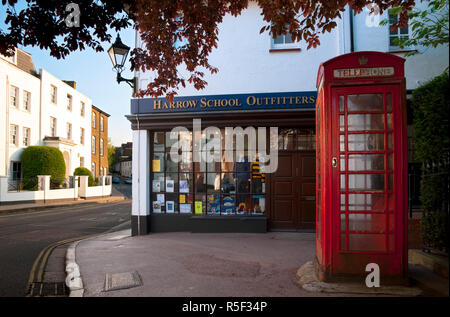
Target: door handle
{"points": [[334, 162]]}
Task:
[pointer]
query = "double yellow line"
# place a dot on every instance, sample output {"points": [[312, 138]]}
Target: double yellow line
{"points": [[42, 258]]}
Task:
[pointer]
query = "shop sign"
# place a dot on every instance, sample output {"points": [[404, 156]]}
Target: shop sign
{"points": [[261, 101], [363, 72]]}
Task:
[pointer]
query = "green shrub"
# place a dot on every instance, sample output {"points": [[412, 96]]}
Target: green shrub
{"points": [[431, 141], [83, 171], [43, 160]]}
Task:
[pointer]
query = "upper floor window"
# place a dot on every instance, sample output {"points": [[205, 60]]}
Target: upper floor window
{"points": [[101, 147], [81, 135], [14, 97], [394, 32], [13, 134], [93, 144], [53, 94], [82, 109], [52, 126], [101, 124], [284, 41], [69, 102], [26, 100], [69, 130], [26, 136], [94, 120]]}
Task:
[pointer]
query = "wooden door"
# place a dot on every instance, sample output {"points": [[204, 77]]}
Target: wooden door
{"points": [[292, 192]]}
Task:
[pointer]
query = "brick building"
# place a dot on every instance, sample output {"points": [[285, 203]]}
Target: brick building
{"points": [[99, 142]]}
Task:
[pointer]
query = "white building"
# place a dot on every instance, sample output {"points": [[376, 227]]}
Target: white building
{"points": [[40, 109], [261, 82]]}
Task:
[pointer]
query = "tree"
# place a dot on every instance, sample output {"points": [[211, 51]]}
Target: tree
{"points": [[83, 171], [111, 156], [164, 24], [429, 27]]}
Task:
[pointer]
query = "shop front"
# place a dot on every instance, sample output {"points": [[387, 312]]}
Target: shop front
{"points": [[224, 163]]}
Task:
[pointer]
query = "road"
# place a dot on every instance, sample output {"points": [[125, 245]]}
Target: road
{"points": [[24, 235]]}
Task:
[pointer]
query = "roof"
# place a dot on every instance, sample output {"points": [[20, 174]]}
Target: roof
{"points": [[101, 111], [24, 61]]}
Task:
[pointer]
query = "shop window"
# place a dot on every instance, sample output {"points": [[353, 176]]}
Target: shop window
{"points": [[212, 186]]}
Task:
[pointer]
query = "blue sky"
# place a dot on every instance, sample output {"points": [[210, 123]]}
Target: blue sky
{"points": [[95, 78]]}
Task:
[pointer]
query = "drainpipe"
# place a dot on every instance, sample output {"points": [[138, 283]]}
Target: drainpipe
{"points": [[7, 128], [352, 41]]}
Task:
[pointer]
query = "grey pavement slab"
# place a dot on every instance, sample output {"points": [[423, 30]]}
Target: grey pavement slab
{"points": [[183, 264]]}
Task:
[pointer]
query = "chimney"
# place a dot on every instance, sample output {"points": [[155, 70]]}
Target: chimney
{"points": [[72, 84]]}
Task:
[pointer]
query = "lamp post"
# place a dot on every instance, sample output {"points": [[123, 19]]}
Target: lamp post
{"points": [[118, 53]]}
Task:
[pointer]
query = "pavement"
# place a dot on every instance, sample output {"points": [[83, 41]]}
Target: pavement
{"points": [[115, 196], [184, 264]]}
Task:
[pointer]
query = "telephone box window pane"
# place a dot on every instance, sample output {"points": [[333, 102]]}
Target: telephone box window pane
{"points": [[366, 202], [367, 222], [390, 181], [391, 222], [342, 202], [361, 182], [389, 102], [366, 242], [343, 246], [391, 243], [342, 123], [342, 143], [365, 102], [341, 103], [366, 162], [342, 162], [365, 142], [389, 121], [365, 122], [342, 222], [390, 142], [391, 202], [390, 162], [342, 182]]}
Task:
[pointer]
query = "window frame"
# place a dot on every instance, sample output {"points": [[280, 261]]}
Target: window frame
{"points": [[94, 120], [69, 130], [82, 136], [293, 46], [53, 126], [93, 145], [26, 136], [54, 94], [27, 104], [394, 48], [14, 135], [82, 108], [102, 124], [101, 145], [69, 102], [15, 97]]}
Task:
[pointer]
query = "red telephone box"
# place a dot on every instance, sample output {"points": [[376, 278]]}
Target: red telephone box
{"points": [[362, 166]]}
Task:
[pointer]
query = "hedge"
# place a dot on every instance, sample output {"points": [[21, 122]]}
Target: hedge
{"points": [[83, 171], [43, 160], [431, 141]]}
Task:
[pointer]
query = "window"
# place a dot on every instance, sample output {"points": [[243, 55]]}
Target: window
{"points": [[93, 144], [101, 123], [396, 33], [284, 41], [93, 170], [101, 147], [13, 134], [26, 100], [94, 120], [16, 170], [52, 126], [14, 97], [53, 94], [81, 135], [81, 161], [69, 130], [26, 136], [69, 102], [210, 188], [82, 109]]}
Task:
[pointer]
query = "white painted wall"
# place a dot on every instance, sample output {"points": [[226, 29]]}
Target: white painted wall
{"points": [[10, 74], [59, 111], [126, 168]]}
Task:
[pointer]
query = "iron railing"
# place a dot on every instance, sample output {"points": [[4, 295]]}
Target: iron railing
{"points": [[23, 184], [61, 182]]}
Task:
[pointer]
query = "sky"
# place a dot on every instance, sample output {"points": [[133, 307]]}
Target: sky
{"points": [[95, 78]]}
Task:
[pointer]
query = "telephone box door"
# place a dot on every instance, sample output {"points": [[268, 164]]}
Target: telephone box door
{"points": [[366, 196]]}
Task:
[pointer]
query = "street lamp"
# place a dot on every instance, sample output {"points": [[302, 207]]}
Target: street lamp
{"points": [[118, 53]]}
